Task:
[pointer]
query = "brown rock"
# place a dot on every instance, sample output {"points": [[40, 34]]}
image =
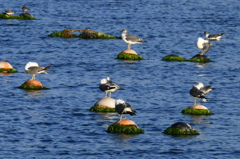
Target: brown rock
{"points": [[198, 106], [5, 65], [33, 83], [105, 102], [129, 51], [126, 122]]}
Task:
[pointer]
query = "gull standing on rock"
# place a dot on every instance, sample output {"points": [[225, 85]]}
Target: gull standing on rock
{"points": [[203, 45], [25, 9], [199, 91], [130, 39], [213, 36], [33, 68], [9, 12], [108, 86], [123, 107]]}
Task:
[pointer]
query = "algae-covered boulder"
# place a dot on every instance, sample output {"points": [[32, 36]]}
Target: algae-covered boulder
{"points": [[181, 128], [125, 56], [200, 58], [32, 84], [173, 58], [85, 34], [91, 34], [125, 126], [25, 16]]}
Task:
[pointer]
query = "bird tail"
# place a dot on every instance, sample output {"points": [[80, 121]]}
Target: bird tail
{"points": [[204, 99], [121, 89], [47, 67]]}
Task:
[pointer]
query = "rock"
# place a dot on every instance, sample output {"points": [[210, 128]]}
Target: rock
{"points": [[126, 122], [129, 51], [5, 65], [198, 106]]}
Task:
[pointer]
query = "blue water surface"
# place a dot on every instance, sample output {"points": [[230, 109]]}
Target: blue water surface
{"points": [[57, 123]]}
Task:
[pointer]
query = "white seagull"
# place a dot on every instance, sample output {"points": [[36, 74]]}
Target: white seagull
{"points": [[108, 86], [199, 91], [203, 45], [123, 107], [213, 36], [33, 68], [130, 39]]}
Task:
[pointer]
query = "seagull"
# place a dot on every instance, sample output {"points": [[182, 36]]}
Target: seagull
{"points": [[203, 45], [108, 86], [33, 68], [130, 39], [213, 36], [199, 91], [25, 9], [9, 12], [123, 107]]}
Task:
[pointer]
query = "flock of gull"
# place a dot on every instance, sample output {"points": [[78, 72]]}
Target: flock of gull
{"points": [[198, 91], [9, 12]]}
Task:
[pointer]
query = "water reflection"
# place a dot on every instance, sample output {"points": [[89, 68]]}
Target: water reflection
{"points": [[34, 93], [201, 65], [124, 137], [199, 119]]}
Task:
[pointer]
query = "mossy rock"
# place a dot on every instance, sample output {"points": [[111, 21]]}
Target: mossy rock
{"points": [[5, 16], [173, 58], [90, 34], [124, 56], [200, 58], [124, 129], [8, 70], [197, 111], [66, 33], [32, 87], [180, 131], [102, 109]]}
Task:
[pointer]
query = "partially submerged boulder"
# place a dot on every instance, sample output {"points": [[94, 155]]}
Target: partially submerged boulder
{"points": [[85, 34], [25, 16], [173, 58], [128, 56], [105, 104], [181, 128], [200, 58], [32, 84], [197, 109], [6, 67], [125, 126]]}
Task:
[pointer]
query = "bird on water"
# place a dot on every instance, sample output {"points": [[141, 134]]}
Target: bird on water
{"points": [[130, 39], [123, 107], [33, 68]]}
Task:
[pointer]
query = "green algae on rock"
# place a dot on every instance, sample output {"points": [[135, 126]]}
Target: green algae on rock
{"points": [[102, 109], [86, 34], [124, 129], [179, 131], [200, 58], [8, 70], [21, 16], [173, 58], [181, 128], [124, 56], [197, 111]]}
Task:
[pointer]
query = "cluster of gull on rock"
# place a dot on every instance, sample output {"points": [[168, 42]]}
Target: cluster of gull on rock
{"points": [[106, 85]]}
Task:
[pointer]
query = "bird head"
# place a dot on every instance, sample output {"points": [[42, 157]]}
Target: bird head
{"points": [[103, 81], [119, 101], [31, 64]]}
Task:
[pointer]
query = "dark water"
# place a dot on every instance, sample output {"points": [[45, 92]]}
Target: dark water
{"points": [[57, 123]]}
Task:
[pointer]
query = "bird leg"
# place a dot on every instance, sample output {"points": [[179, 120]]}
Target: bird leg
{"points": [[33, 76], [195, 101], [129, 46]]}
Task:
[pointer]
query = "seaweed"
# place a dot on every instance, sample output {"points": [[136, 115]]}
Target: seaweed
{"points": [[125, 129], [180, 131], [8, 70], [102, 109], [124, 56], [32, 87], [173, 58], [5, 16], [197, 111]]}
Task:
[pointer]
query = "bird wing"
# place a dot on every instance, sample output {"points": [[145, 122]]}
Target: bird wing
{"points": [[206, 89], [206, 47], [133, 38]]}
